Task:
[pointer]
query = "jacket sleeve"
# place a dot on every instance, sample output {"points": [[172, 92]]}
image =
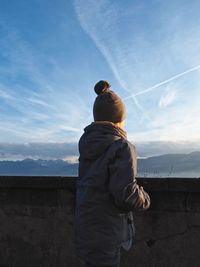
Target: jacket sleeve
{"points": [[123, 186]]}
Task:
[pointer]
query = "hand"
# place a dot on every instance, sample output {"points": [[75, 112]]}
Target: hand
{"points": [[142, 194], [146, 198], [141, 188]]}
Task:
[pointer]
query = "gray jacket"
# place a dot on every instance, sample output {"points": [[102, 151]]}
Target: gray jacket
{"points": [[106, 190]]}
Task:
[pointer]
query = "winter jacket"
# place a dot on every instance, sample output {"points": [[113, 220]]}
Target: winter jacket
{"points": [[107, 192]]}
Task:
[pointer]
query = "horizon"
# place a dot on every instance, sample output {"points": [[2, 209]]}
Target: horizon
{"points": [[69, 151], [52, 54], [169, 165]]}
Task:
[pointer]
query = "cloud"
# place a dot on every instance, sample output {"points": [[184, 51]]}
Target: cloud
{"points": [[93, 14], [164, 82], [39, 102], [68, 128], [5, 95], [67, 151], [146, 53], [37, 105], [167, 98], [175, 125]]}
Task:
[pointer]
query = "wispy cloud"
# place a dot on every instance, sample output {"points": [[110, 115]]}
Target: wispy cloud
{"points": [[46, 150], [43, 97], [68, 128], [4, 94], [93, 14], [167, 98], [39, 102], [141, 50], [163, 82], [42, 108]]}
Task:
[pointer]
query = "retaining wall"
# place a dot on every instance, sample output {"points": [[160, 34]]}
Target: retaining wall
{"points": [[37, 214]]}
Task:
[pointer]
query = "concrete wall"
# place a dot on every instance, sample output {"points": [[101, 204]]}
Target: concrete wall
{"points": [[36, 223]]}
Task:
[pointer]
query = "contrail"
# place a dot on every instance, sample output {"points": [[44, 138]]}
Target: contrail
{"points": [[164, 82]]}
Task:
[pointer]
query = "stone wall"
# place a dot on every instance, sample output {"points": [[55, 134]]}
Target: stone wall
{"points": [[36, 223]]}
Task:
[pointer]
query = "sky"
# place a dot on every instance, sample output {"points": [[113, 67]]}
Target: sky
{"points": [[53, 52]]}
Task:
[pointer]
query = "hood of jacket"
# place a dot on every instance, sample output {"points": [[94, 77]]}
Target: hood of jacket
{"points": [[97, 137]]}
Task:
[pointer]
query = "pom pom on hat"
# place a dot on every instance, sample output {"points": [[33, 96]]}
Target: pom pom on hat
{"points": [[101, 87]]}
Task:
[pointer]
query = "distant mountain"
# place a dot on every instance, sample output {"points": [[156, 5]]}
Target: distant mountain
{"points": [[183, 165], [38, 167], [157, 148], [65, 151], [169, 165]]}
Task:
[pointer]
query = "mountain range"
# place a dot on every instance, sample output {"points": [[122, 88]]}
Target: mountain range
{"points": [[169, 165], [66, 151], [38, 167]]}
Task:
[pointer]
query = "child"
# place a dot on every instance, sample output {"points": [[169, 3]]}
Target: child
{"points": [[106, 189]]}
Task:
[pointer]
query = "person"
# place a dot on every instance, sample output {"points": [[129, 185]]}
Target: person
{"points": [[107, 192]]}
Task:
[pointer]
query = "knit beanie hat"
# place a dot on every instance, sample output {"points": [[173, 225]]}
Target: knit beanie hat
{"points": [[108, 106]]}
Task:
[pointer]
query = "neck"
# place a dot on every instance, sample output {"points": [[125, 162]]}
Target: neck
{"points": [[120, 124]]}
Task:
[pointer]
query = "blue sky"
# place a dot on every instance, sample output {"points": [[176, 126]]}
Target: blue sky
{"points": [[53, 52]]}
